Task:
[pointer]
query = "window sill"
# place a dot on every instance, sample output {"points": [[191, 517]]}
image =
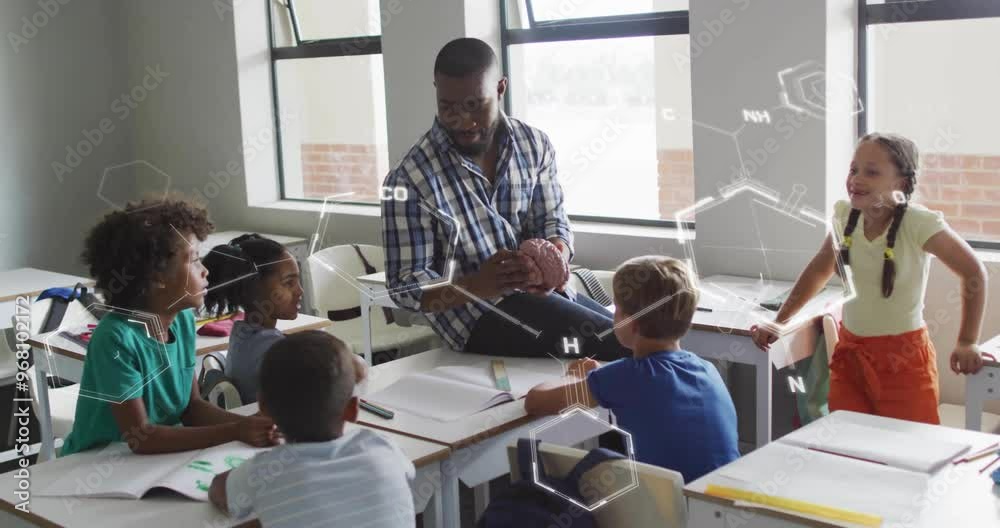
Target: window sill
{"points": [[610, 228], [317, 207]]}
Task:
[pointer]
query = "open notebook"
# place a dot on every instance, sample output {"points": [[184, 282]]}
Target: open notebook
{"points": [[878, 445], [115, 472], [451, 393]]}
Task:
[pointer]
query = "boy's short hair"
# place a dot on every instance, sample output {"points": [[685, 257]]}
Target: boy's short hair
{"points": [[128, 245], [306, 381], [642, 283]]}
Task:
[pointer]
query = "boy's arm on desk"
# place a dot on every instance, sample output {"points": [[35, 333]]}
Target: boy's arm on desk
{"points": [[552, 397], [217, 495]]}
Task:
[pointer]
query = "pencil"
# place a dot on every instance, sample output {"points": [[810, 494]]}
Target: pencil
{"points": [[978, 454], [987, 466]]}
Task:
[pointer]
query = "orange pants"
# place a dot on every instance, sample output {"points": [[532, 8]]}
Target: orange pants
{"points": [[894, 376]]}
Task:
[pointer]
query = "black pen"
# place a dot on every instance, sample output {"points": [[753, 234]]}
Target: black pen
{"points": [[700, 309], [375, 409]]}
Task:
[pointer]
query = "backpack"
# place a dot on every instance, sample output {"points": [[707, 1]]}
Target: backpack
{"points": [[61, 299], [215, 387], [526, 505]]}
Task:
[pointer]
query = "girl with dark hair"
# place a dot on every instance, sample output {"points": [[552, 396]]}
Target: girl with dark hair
{"points": [[138, 379], [260, 277], [884, 362]]}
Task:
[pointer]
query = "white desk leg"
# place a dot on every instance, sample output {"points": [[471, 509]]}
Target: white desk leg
{"points": [[47, 451], [482, 498], [763, 403], [366, 327], [451, 515], [433, 512]]}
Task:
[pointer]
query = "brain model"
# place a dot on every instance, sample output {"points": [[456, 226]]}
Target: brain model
{"points": [[546, 266]]}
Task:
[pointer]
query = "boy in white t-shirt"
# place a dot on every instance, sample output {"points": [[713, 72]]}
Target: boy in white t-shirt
{"points": [[321, 476]]}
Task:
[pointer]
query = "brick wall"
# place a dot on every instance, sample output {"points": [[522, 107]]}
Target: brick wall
{"points": [[676, 180], [966, 188], [337, 168]]}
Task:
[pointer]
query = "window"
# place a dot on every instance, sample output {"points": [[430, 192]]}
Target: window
{"points": [[598, 76], [930, 72], [329, 99]]}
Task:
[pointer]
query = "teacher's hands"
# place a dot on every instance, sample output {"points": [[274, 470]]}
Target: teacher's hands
{"points": [[504, 271]]}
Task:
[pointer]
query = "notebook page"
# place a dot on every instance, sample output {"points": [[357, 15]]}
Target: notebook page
{"points": [[194, 477], [113, 472], [792, 472], [435, 397], [521, 380], [896, 449]]}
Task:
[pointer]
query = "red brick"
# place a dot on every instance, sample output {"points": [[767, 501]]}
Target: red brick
{"points": [[950, 210], [992, 227], [930, 161], [961, 194], [965, 227], [940, 176], [675, 155], [991, 162], [949, 161], [980, 211], [927, 191], [991, 179], [340, 148], [972, 162], [992, 195]]}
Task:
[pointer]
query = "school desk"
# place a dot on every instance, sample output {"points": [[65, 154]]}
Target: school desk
{"points": [[166, 509], [724, 333], [29, 282], [64, 358], [478, 442], [954, 495]]}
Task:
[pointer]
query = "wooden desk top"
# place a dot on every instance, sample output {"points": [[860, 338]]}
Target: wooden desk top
{"points": [[31, 281], [203, 344]]}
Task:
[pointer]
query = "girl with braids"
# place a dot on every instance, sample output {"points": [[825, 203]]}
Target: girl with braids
{"points": [[260, 277], [140, 376], [884, 362]]}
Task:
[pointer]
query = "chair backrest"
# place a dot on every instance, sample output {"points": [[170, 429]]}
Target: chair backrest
{"points": [[657, 501], [830, 335], [332, 273]]}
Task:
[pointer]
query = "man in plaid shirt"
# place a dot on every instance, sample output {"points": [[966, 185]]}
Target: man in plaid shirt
{"points": [[492, 179]]}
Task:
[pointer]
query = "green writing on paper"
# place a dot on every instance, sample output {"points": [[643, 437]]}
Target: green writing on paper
{"points": [[201, 485], [202, 465], [234, 461]]}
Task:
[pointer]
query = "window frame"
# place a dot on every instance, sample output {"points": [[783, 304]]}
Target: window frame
{"points": [[308, 49], [923, 11], [652, 24]]}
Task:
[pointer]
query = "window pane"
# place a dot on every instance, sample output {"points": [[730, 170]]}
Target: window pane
{"points": [[325, 19], [602, 104], [565, 9], [937, 83], [333, 135]]}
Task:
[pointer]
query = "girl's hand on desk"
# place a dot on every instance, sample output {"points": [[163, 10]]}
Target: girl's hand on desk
{"points": [[258, 431], [966, 359], [762, 337]]}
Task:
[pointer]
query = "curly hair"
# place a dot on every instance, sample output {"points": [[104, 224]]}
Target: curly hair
{"points": [[244, 256], [127, 246]]}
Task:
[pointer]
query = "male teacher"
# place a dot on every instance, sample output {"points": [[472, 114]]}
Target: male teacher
{"points": [[496, 178]]}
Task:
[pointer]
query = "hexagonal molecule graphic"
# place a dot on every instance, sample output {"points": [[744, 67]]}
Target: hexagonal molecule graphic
{"points": [[600, 485], [133, 181], [74, 324], [809, 88], [759, 239]]}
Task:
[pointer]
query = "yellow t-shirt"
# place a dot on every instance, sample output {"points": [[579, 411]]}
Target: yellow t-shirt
{"points": [[871, 314]]}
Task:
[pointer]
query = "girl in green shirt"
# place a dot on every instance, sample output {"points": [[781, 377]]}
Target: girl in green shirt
{"points": [[138, 379]]}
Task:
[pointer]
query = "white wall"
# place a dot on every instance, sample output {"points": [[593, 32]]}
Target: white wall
{"points": [[58, 83]]}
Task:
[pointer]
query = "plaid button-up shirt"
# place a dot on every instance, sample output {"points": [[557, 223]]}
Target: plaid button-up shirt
{"points": [[443, 188]]}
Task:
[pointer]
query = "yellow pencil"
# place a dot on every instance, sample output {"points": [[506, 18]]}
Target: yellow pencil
{"points": [[818, 510]]}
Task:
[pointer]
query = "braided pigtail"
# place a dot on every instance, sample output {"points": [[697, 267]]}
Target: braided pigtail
{"points": [[889, 257], [845, 245]]}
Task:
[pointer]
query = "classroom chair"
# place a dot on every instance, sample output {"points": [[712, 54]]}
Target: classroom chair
{"points": [[333, 292], [62, 400], [657, 501], [8, 371]]}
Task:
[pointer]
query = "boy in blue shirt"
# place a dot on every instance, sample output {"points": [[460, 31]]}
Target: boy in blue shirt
{"points": [[673, 403]]}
